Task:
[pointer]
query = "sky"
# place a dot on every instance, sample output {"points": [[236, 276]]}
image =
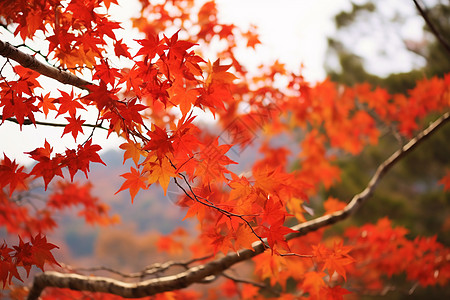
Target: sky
{"points": [[292, 31]]}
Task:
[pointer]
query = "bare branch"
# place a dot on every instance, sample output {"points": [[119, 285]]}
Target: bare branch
{"points": [[29, 61], [156, 268], [29, 122], [197, 274]]}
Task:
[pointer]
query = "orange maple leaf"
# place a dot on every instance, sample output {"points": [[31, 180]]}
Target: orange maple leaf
{"points": [[161, 170], [332, 204], [46, 103], [134, 182], [313, 282], [132, 151], [334, 260], [168, 245], [243, 238]]}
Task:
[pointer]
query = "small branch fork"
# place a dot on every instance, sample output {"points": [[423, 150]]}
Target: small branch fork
{"points": [[209, 204], [197, 274], [268, 288]]}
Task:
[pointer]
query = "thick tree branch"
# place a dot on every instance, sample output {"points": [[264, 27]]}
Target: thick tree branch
{"points": [[197, 274], [29, 61]]}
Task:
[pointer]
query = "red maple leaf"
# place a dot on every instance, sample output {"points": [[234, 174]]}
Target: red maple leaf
{"points": [[12, 174], [334, 260], [275, 236], [84, 155], [74, 126], [41, 251], [47, 167], [8, 269], [334, 293], [159, 142], [68, 103], [121, 49]]}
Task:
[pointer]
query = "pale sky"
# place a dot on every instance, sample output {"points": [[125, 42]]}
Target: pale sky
{"points": [[292, 31]]}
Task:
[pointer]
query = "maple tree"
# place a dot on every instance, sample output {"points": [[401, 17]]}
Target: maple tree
{"points": [[148, 92]]}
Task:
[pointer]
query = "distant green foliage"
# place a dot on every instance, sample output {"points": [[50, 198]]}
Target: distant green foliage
{"points": [[351, 68], [410, 194]]}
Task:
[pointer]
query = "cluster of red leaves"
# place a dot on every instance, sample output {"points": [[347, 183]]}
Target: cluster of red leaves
{"points": [[318, 272], [172, 244], [49, 166], [384, 250], [18, 216], [36, 252], [66, 195], [373, 254], [17, 97]]}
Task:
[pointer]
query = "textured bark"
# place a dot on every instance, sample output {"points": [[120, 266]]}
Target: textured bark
{"points": [[29, 61], [199, 273]]}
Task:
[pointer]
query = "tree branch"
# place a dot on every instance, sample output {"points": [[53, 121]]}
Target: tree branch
{"points": [[197, 274], [29, 61], [156, 268], [29, 122], [432, 27]]}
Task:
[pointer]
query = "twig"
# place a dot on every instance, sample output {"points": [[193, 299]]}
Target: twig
{"points": [[254, 283], [432, 27], [29, 122], [297, 255]]}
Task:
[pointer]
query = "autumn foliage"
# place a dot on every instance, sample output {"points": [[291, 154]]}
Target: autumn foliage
{"points": [[149, 91]]}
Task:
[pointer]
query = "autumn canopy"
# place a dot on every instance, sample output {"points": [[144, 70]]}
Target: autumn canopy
{"points": [[75, 68]]}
